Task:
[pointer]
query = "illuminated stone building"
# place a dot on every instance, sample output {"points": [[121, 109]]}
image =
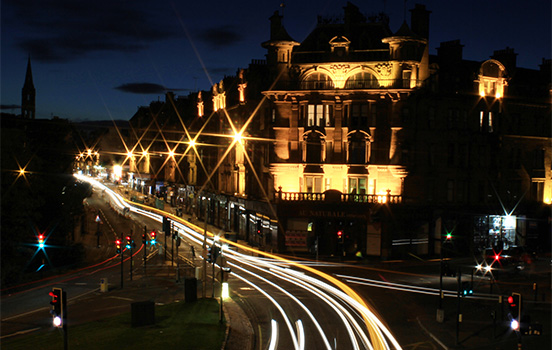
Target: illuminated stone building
{"points": [[358, 142]]}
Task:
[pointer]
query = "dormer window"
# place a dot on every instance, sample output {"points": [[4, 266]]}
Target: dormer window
{"points": [[340, 45], [492, 79]]}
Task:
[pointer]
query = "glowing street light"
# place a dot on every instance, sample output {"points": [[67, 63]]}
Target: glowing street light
{"points": [[238, 137]]}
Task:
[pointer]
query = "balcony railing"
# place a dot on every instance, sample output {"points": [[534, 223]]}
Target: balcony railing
{"points": [[349, 85], [343, 197]]}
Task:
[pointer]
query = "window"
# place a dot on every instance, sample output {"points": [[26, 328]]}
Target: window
{"points": [[317, 81], [319, 115], [357, 185], [358, 115], [363, 80], [485, 121], [313, 148], [406, 74], [357, 151], [492, 79], [537, 190], [313, 184]]}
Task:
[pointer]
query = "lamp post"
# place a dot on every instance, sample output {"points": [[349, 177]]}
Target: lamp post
{"points": [[203, 291]]}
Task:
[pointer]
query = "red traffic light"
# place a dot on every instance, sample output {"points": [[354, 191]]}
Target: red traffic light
{"points": [[153, 234], [339, 234], [118, 242], [511, 300]]}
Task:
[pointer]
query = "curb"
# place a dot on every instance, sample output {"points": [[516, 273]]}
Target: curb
{"points": [[431, 335]]}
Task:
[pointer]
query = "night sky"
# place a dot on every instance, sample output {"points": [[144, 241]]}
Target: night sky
{"points": [[102, 59]]}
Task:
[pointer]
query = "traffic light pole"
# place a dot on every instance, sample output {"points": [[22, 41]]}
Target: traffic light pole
{"points": [[172, 244], [122, 259], [64, 327], [131, 246], [145, 242], [213, 264], [458, 311]]}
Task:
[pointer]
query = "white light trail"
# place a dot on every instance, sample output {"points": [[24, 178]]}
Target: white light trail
{"points": [[278, 306], [273, 335], [309, 313]]}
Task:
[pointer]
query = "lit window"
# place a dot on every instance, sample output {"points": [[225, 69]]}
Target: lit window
{"points": [[492, 79], [317, 81], [319, 115]]}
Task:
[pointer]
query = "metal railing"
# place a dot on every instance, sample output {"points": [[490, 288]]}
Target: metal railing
{"points": [[344, 197], [349, 85]]}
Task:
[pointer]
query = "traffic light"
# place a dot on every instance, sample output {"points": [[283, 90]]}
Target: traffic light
{"points": [[57, 306], [166, 225], [153, 235], [259, 228], [216, 252], [514, 306], [467, 289], [144, 239], [118, 244], [128, 242], [41, 240], [340, 236], [209, 254], [449, 236]]}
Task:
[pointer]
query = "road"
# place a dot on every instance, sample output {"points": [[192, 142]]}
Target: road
{"points": [[291, 304]]}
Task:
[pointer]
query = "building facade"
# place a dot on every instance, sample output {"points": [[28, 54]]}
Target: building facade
{"points": [[358, 142]]}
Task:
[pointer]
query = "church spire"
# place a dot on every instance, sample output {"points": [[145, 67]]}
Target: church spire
{"points": [[28, 94]]}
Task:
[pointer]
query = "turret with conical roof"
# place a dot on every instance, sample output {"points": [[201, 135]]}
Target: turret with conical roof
{"points": [[280, 45], [28, 94]]}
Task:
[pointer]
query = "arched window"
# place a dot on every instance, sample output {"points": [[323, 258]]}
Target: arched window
{"points": [[358, 148], [317, 81], [313, 148], [362, 80], [492, 79]]}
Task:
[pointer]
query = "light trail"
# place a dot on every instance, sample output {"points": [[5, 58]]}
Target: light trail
{"points": [[409, 288], [273, 335], [277, 305], [335, 297], [309, 313]]}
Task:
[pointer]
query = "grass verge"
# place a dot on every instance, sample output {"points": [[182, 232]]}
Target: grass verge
{"points": [[177, 326]]}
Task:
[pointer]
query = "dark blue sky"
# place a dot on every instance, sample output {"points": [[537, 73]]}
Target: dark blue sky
{"points": [[103, 59]]}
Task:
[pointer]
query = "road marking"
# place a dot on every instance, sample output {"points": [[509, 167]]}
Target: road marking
{"points": [[20, 332], [121, 298]]}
